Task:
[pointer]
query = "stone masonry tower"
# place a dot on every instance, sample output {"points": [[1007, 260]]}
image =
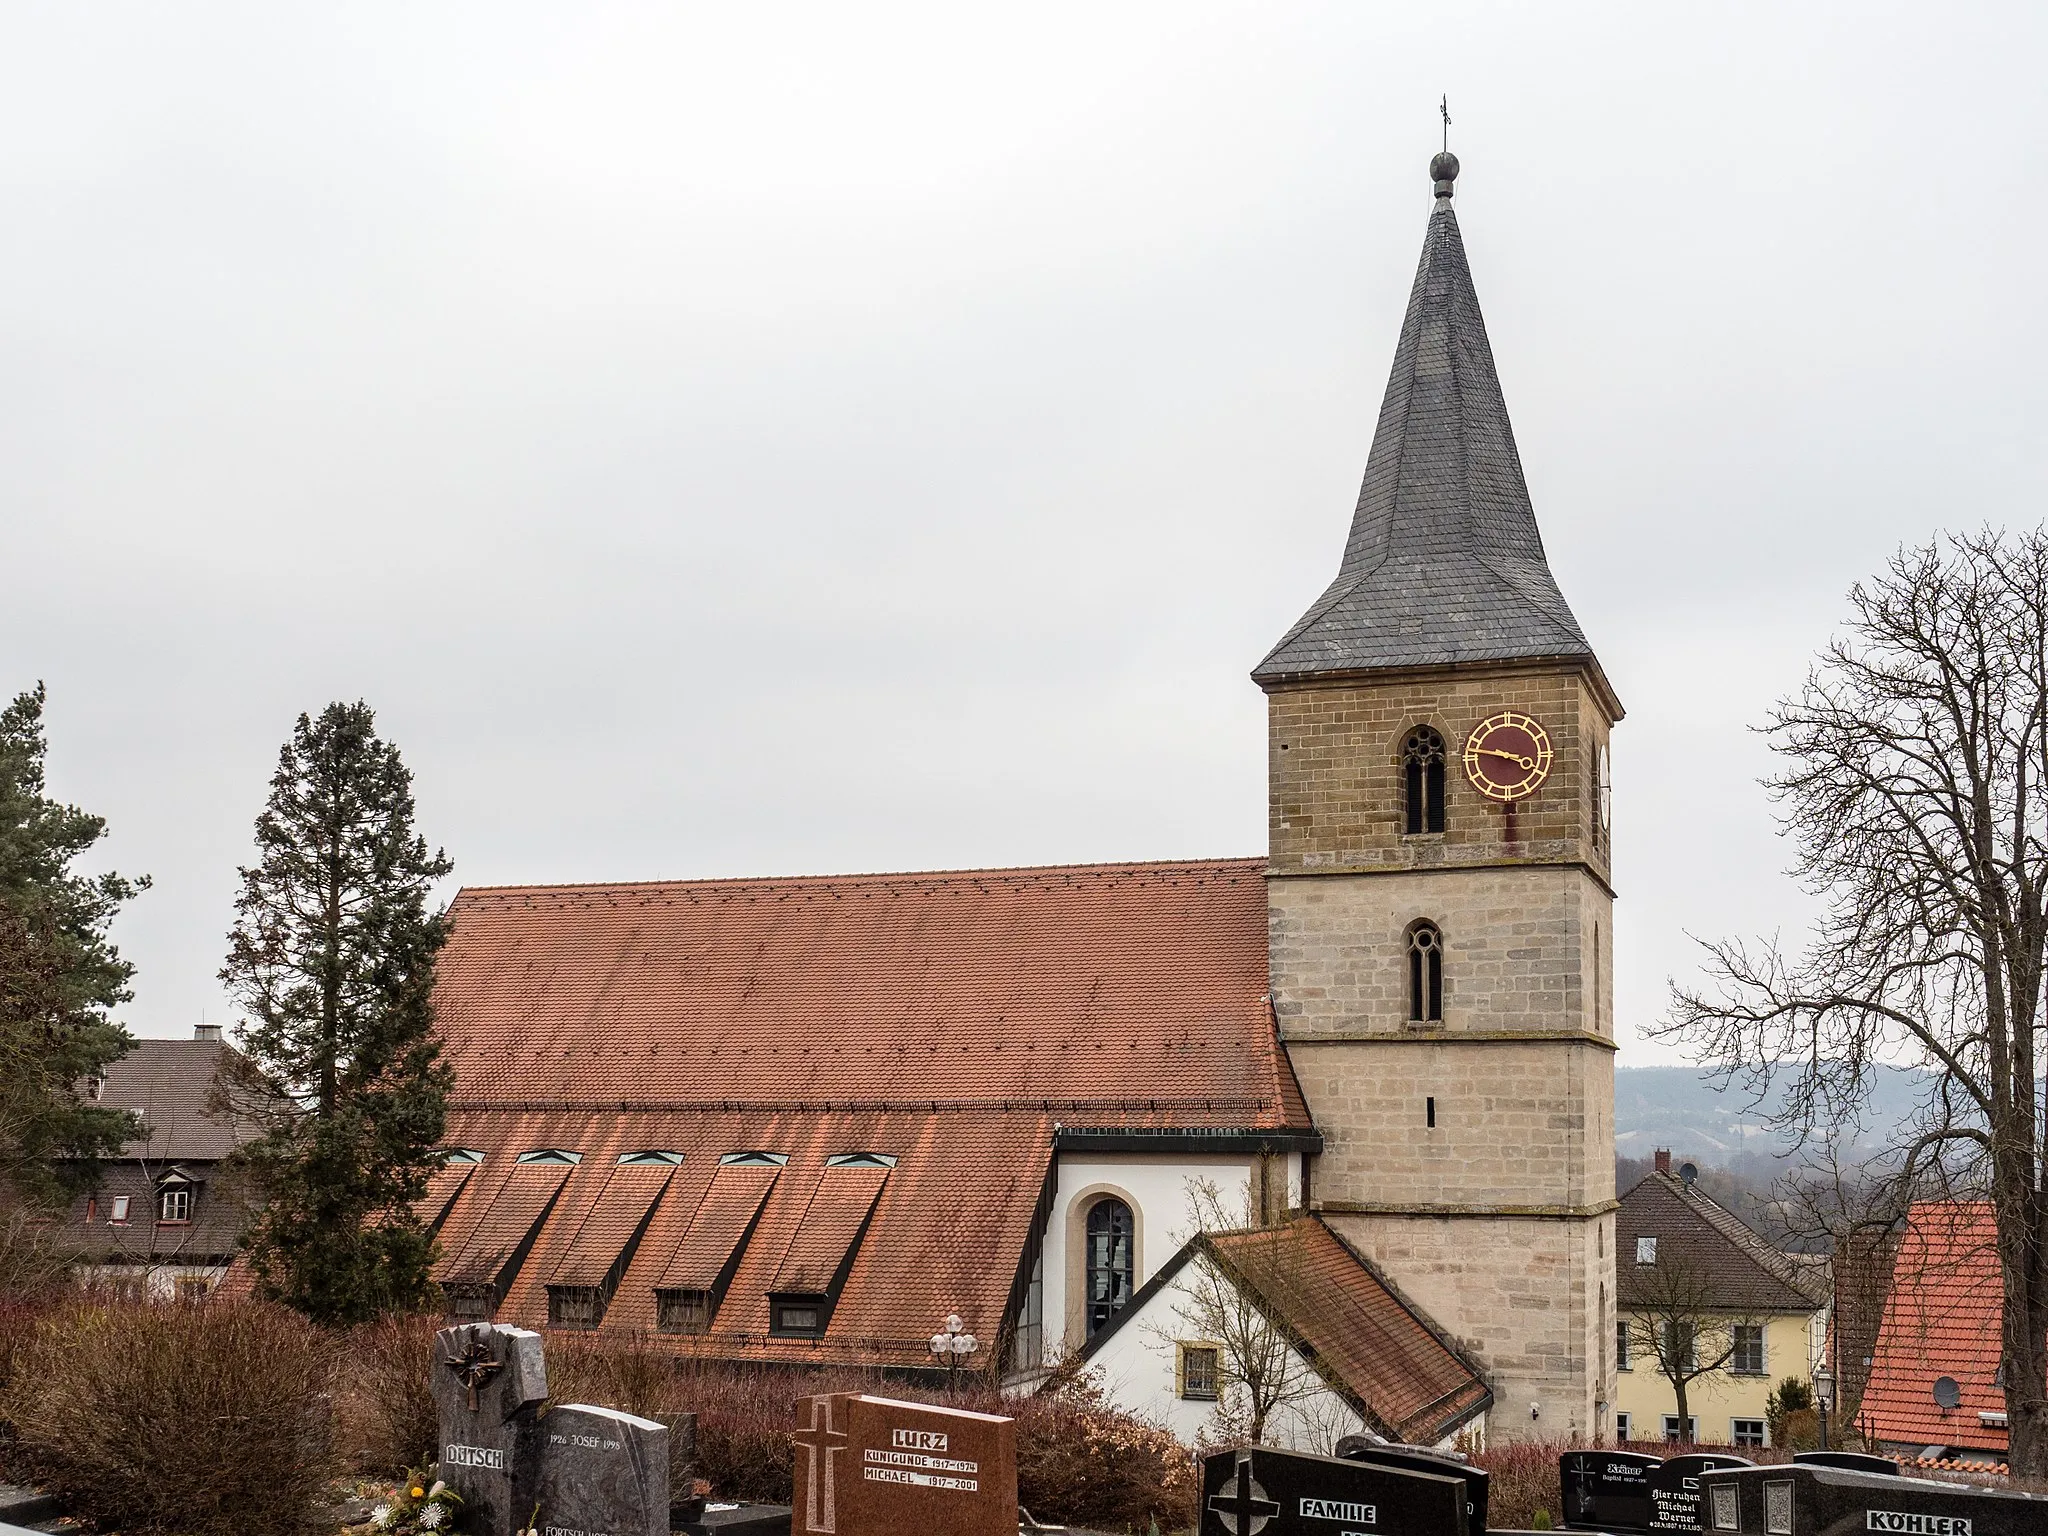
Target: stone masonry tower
{"points": [[1439, 898]]}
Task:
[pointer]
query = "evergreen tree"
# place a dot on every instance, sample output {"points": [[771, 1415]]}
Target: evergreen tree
{"points": [[59, 976], [332, 954]]}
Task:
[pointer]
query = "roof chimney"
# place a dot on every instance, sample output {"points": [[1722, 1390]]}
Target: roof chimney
{"points": [[1663, 1159], [207, 1032]]}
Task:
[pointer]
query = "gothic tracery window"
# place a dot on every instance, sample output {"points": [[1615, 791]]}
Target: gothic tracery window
{"points": [[1422, 770], [1425, 973]]}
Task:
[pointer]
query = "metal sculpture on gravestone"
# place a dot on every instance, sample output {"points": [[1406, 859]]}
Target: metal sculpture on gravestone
{"points": [[1257, 1491], [487, 1382], [1606, 1490], [1813, 1500]]}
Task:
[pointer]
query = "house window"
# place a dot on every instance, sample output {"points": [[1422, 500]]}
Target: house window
{"points": [[129, 1288], [1422, 769], [193, 1287], [575, 1306], [1681, 1344], [1028, 1352], [174, 1205], [1621, 1357], [1746, 1432], [1646, 1250], [1747, 1358], [92, 1209], [682, 1311], [1621, 1429], [471, 1303], [1425, 973], [1199, 1370], [117, 1215], [1111, 1239], [1692, 1428], [797, 1317]]}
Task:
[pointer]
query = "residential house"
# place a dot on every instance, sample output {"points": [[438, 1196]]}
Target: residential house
{"points": [[162, 1223], [1684, 1263]]}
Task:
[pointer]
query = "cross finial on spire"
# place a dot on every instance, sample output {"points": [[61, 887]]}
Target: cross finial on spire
{"points": [[1443, 167], [1444, 107]]}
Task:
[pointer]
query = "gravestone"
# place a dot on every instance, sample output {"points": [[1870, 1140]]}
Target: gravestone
{"points": [[1420, 1458], [602, 1473], [487, 1382], [1676, 1503], [1256, 1491], [873, 1466], [1606, 1490], [1808, 1500], [1848, 1461]]}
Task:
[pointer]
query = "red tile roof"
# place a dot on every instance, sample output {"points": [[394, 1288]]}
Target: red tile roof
{"points": [[1941, 1318], [951, 1021], [1403, 1377], [1109, 994]]}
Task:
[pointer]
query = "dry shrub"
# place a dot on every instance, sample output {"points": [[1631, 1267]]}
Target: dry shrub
{"points": [[184, 1420], [1081, 1461], [386, 1409]]}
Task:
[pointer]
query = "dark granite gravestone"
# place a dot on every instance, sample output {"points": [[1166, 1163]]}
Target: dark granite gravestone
{"points": [[1606, 1490], [1420, 1458], [1847, 1461], [602, 1473], [1676, 1503], [1254, 1491], [1807, 1500], [487, 1383], [722, 1519], [873, 1466]]}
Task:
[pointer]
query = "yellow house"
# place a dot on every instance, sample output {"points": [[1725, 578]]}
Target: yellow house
{"points": [[1704, 1298]]}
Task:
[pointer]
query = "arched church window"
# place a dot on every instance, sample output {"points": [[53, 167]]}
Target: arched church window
{"points": [[1422, 767], [1111, 1238], [1425, 973]]}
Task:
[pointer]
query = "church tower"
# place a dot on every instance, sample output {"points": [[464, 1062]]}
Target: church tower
{"points": [[1439, 902]]}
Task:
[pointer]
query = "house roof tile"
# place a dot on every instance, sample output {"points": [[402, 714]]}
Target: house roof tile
{"points": [[1743, 1273], [1941, 1318]]}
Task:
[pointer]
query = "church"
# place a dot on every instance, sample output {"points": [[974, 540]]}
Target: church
{"points": [[810, 1120]]}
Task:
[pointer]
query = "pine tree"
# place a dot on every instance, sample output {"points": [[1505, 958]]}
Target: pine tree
{"points": [[332, 954], [59, 976]]}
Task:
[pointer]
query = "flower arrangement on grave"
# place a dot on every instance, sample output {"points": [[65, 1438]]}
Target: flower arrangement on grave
{"points": [[422, 1505]]}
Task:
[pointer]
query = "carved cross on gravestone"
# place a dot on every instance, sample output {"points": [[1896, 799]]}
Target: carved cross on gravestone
{"points": [[821, 1441], [1245, 1509]]}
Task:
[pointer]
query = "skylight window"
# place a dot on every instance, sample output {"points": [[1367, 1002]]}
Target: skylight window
{"points": [[462, 1155], [649, 1158], [861, 1160], [1646, 1250], [754, 1159], [555, 1155]]}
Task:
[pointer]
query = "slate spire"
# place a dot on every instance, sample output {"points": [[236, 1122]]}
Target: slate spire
{"points": [[1444, 564]]}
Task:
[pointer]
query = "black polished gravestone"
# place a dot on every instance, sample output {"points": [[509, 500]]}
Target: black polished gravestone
{"points": [[1847, 1461], [1420, 1458], [487, 1382], [1606, 1490], [1255, 1491], [1676, 1503], [1808, 1500], [602, 1473]]}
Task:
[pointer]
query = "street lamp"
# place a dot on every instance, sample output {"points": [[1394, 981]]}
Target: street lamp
{"points": [[1823, 1397], [953, 1346]]}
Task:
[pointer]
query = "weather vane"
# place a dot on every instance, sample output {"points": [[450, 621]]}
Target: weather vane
{"points": [[1444, 107]]}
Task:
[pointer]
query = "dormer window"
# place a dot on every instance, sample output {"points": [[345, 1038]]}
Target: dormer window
{"points": [[861, 1160], [557, 1157], [174, 1205], [753, 1159], [798, 1317], [461, 1155], [649, 1159]]}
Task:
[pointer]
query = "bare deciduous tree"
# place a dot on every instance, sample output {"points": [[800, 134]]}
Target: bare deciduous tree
{"points": [[1915, 785], [1675, 1319]]}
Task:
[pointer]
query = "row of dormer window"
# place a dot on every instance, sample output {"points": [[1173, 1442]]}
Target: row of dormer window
{"points": [[173, 1207], [564, 1157]]}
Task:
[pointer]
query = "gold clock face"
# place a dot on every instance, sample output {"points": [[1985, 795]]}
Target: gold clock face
{"points": [[1507, 756]]}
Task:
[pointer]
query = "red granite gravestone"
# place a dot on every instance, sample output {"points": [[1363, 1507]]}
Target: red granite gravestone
{"points": [[873, 1466]]}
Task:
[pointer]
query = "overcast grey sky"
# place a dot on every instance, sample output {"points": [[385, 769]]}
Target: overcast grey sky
{"points": [[759, 439]]}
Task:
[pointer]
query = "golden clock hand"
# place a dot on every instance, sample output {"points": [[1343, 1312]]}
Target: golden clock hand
{"points": [[1514, 757]]}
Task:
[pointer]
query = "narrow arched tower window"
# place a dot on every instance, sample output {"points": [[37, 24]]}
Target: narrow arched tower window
{"points": [[1422, 768], [1425, 973], [1110, 1240]]}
